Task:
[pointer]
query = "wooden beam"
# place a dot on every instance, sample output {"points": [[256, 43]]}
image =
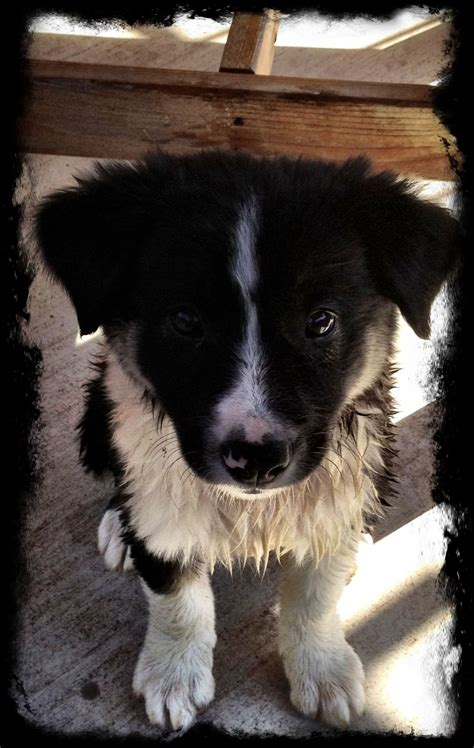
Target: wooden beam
{"points": [[121, 112], [415, 60], [418, 59], [250, 44], [408, 33]]}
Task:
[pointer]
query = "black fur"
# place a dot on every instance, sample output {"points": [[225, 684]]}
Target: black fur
{"points": [[132, 242], [162, 576], [109, 218], [412, 244], [95, 428]]}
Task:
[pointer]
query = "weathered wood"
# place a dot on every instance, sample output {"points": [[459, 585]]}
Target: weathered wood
{"points": [[410, 32], [415, 60], [250, 44], [418, 59], [122, 112]]}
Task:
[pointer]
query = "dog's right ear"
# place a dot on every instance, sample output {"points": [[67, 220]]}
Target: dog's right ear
{"points": [[91, 235]]}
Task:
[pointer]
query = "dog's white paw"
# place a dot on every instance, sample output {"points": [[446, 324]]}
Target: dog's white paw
{"points": [[326, 684], [174, 690], [111, 545]]}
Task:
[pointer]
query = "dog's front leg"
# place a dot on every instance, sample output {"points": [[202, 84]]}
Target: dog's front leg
{"points": [[325, 674], [174, 669]]}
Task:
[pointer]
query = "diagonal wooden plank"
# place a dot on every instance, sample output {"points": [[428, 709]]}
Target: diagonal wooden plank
{"points": [[407, 33], [418, 59], [250, 44]]}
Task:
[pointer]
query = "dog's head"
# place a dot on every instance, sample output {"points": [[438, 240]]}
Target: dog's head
{"points": [[255, 298]]}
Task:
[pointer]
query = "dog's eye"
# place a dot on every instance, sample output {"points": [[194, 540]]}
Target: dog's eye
{"points": [[320, 323], [187, 322]]}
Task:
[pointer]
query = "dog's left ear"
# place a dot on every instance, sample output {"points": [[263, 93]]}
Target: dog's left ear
{"points": [[412, 244]]}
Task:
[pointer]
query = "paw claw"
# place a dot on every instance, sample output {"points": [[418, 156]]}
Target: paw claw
{"points": [[334, 707], [173, 694], [181, 715], [328, 687]]}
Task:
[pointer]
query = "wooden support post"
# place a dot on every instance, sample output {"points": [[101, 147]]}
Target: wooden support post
{"points": [[250, 44]]}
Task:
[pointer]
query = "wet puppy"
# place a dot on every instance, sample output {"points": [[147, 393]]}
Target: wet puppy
{"points": [[242, 400]]}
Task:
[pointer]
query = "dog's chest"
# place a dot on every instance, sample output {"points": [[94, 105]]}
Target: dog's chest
{"points": [[178, 515]]}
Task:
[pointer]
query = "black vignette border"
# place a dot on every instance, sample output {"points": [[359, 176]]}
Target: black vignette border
{"points": [[24, 359]]}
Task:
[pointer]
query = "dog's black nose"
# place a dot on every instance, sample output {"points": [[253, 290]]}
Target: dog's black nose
{"points": [[255, 464]]}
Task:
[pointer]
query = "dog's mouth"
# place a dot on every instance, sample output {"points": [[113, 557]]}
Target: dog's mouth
{"points": [[249, 494]]}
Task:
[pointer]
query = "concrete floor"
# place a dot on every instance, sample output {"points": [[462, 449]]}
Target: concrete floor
{"points": [[82, 626]]}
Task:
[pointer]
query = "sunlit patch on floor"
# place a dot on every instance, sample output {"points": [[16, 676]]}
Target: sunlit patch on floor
{"points": [[415, 681], [395, 614], [415, 551]]}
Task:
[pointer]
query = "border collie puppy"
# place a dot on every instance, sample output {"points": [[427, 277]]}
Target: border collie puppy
{"points": [[242, 399]]}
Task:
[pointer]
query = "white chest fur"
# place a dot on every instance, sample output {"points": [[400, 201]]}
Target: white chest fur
{"points": [[180, 516]]}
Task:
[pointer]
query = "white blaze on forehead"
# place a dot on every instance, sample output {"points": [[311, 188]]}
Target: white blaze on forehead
{"points": [[245, 262], [245, 405]]}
